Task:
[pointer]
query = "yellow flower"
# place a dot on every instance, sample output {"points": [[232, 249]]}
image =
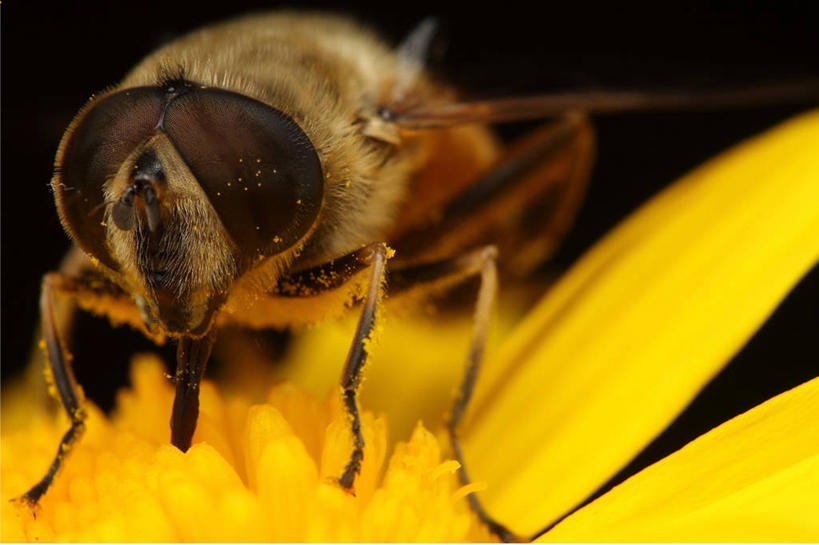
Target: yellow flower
{"points": [[597, 369]]}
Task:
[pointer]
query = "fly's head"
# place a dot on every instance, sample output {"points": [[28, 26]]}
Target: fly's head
{"points": [[178, 189]]}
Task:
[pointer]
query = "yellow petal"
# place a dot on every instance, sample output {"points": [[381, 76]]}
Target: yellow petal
{"points": [[754, 478], [626, 339]]}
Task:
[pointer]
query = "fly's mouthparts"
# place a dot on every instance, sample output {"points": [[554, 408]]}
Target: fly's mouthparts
{"points": [[124, 213], [147, 173]]}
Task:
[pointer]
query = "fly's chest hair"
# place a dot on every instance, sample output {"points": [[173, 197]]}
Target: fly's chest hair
{"points": [[329, 75]]}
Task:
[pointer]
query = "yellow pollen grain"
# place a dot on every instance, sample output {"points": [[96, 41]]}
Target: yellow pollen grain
{"points": [[277, 239], [259, 184], [245, 188], [228, 184], [195, 228], [240, 179], [258, 160], [103, 224], [390, 252], [298, 201], [241, 160]]}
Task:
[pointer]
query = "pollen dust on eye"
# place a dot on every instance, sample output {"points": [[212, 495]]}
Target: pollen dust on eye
{"points": [[256, 472]]}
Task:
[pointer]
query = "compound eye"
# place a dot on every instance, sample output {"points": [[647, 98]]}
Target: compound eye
{"points": [[258, 168], [97, 142]]}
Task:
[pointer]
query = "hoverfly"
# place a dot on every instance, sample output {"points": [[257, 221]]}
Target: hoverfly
{"points": [[260, 173]]}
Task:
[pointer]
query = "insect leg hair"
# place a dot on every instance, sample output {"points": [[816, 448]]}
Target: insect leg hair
{"points": [[351, 377]]}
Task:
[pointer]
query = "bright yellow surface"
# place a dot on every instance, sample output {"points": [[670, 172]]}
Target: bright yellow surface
{"points": [[255, 473], [753, 479], [628, 336]]}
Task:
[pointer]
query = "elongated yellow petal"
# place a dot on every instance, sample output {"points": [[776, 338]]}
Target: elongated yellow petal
{"points": [[754, 478], [626, 339]]}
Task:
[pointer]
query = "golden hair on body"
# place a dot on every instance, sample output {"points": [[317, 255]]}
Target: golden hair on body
{"points": [[331, 76]]}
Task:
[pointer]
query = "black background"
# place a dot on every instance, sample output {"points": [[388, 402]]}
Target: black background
{"points": [[53, 57]]}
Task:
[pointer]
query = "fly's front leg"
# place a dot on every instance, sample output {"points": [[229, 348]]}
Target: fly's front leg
{"points": [[70, 395], [80, 285], [351, 377], [335, 276]]}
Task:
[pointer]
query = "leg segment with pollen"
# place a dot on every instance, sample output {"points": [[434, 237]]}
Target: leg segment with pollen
{"points": [[334, 277], [351, 377], [447, 272], [430, 276], [76, 285], [69, 393]]}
